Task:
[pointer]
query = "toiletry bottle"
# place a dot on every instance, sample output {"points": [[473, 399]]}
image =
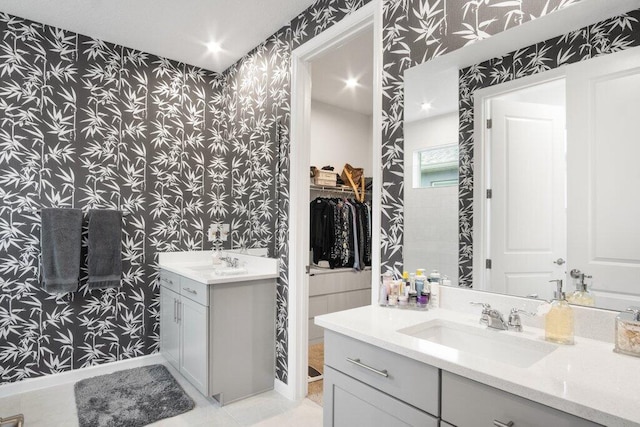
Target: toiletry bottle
{"points": [[446, 281], [420, 279], [393, 296], [406, 287], [412, 282], [558, 323], [434, 299], [581, 295], [382, 295], [434, 277]]}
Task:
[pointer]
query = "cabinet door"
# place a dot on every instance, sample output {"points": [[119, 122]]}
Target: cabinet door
{"points": [[349, 402], [169, 326], [194, 351]]}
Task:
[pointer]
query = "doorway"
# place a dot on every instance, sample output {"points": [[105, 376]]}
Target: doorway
{"points": [[366, 19]]}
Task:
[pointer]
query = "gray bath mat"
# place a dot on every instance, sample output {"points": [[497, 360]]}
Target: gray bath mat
{"points": [[132, 398]]}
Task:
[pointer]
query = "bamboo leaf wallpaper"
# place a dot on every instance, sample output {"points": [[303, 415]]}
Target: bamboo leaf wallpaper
{"points": [[86, 123]]}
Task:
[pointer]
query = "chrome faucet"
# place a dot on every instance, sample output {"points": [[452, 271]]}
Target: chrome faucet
{"points": [[491, 317]]}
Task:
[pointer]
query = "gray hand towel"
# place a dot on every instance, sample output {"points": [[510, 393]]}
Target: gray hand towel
{"points": [[60, 242], [105, 249]]}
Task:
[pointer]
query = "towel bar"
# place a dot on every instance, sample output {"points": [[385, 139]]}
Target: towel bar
{"points": [[31, 210]]}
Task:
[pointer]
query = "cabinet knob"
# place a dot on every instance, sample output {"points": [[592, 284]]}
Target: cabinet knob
{"points": [[497, 423]]}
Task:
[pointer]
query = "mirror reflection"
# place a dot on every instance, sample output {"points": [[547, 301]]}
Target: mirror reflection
{"points": [[549, 145]]}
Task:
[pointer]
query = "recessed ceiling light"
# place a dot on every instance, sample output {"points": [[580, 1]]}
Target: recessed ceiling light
{"points": [[426, 106], [352, 82], [214, 47]]}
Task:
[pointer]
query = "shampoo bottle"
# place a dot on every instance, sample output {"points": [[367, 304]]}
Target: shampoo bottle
{"points": [[558, 323]]}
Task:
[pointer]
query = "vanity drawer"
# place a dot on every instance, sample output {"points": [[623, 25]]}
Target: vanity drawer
{"points": [[195, 291], [170, 280], [469, 403], [408, 380]]}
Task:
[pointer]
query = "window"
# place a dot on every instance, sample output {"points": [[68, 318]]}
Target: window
{"points": [[436, 166]]}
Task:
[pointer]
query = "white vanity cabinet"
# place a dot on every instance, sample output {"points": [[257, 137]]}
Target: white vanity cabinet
{"points": [[220, 337], [368, 385], [184, 327]]}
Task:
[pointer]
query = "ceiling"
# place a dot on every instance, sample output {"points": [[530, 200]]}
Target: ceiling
{"points": [[353, 59], [438, 89], [174, 29]]}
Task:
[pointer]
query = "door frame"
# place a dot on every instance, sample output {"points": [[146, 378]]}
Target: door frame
{"points": [[368, 16], [481, 276]]}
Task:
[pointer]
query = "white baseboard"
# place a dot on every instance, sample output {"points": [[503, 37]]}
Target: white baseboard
{"points": [[77, 374], [284, 389]]}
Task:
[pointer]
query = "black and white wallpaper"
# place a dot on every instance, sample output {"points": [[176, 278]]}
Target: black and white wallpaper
{"points": [[602, 38]]}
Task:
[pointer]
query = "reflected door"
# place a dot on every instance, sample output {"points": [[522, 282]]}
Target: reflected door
{"points": [[527, 173], [603, 137]]}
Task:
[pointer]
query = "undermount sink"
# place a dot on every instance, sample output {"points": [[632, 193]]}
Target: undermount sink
{"points": [[481, 342], [218, 270]]}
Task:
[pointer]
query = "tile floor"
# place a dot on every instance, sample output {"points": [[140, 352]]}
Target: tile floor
{"points": [[55, 406]]}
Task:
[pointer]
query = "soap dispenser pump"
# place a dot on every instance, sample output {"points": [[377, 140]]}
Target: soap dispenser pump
{"points": [[558, 323]]}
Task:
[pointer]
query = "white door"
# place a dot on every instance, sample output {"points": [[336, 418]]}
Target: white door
{"points": [[194, 327], [169, 327], [603, 144], [527, 175]]}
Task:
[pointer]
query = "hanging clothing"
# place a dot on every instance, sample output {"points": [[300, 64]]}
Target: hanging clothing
{"points": [[340, 232]]}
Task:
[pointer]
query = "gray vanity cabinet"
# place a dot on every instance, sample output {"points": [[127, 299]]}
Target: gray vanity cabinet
{"points": [[467, 403], [219, 337], [370, 386], [366, 385]]}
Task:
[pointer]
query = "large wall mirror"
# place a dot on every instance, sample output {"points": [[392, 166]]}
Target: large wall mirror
{"points": [[545, 116]]}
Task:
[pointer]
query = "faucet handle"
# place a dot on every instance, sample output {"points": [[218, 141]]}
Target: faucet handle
{"points": [[521, 311]]}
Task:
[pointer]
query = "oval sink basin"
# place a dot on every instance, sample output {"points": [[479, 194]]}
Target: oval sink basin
{"points": [[482, 342]]}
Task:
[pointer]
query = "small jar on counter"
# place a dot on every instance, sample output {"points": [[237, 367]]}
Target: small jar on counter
{"points": [[628, 332]]}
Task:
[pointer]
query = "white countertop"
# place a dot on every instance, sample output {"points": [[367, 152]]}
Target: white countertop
{"points": [[587, 379], [183, 263]]}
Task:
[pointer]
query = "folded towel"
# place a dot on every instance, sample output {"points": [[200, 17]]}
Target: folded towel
{"points": [[105, 249], [60, 242]]}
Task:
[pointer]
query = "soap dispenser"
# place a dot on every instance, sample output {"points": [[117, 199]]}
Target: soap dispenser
{"points": [[558, 323], [628, 332], [581, 295]]}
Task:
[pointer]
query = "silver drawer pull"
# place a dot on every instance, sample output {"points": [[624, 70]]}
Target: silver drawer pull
{"points": [[497, 423], [357, 362], [191, 291]]}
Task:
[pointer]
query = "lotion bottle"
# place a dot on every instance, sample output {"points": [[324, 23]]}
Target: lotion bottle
{"points": [[558, 323]]}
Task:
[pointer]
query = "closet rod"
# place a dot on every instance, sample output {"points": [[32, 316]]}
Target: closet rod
{"points": [[37, 211]]}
